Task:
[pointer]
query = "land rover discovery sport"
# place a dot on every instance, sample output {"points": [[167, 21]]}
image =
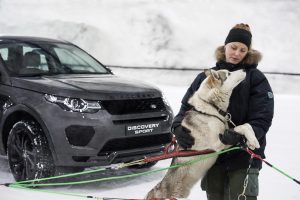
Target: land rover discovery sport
{"points": [[61, 109]]}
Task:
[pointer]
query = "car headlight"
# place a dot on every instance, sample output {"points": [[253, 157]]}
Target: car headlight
{"points": [[74, 104]]}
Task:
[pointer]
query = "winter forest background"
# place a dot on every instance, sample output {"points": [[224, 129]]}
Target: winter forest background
{"points": [[175, 34]]}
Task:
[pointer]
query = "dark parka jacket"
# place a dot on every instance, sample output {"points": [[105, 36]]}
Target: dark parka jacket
{"points": [[251, 102]]}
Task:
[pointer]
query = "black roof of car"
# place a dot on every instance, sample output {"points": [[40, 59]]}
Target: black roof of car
{"points": [[29, 39]]}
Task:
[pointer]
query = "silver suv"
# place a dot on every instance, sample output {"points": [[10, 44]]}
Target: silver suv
{"points": [[61, 110]]}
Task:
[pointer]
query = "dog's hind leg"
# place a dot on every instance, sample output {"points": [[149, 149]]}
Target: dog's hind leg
{"points": [[178, 181], [192, 174], [170, 185], [165, 187]]}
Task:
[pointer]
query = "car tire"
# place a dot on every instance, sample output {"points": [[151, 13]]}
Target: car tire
{"points": [[144, 166], [28, 152]]}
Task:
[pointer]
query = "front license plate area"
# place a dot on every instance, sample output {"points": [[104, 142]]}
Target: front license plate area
{"points": [[143, 128]]}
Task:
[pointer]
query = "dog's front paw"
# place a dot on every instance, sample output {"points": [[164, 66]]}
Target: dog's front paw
{"points": [[247, 131], [252, 142]]}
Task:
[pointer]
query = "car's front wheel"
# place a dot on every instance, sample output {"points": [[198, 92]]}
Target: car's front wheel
{"points": [[28, 152]]}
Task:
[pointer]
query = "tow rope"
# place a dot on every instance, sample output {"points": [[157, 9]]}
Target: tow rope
{"points": [[243, 196], [253, 155], [201, 155], [169, 152], [33, 183]]}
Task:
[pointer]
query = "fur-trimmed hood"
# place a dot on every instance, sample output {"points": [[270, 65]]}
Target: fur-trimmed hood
{"points": [[253, 56]]}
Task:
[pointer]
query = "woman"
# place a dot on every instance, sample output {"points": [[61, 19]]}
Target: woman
{"points": [[251, 102]]}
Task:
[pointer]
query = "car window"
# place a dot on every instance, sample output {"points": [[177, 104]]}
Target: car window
{"points": [[4, 53], [26, 59], [34, 61], [77, 60], [22, 59], [11, 55]]}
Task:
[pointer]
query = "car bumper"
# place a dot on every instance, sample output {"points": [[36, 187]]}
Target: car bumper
{"points": [[98, 139]]}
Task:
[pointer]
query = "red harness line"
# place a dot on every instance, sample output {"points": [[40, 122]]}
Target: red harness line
{"points": [[253, 155], [171, 151]]}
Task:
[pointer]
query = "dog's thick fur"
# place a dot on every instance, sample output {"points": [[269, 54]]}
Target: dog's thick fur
{"points": [[214, 91]]}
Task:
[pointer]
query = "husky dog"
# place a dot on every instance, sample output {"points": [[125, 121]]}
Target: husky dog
{"points": [[205, 123]]}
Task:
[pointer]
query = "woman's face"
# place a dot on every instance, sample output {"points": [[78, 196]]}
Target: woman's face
{"points": [[235, 52]]}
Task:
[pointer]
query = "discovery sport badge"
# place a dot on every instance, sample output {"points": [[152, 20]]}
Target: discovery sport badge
{"points": [[143, 128]]}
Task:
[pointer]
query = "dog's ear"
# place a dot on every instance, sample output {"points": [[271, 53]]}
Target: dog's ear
{"points": [[207, 72], [215, 74], [222, 75], [212, 72]]}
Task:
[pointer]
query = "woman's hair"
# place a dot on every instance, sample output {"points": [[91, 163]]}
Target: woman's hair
{"points": [[252, 57], [242, 26]]}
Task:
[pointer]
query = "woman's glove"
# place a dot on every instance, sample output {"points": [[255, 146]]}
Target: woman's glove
{"points": [[230, 137], [183, 137]]}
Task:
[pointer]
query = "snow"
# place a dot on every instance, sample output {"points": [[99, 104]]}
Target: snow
{"points": [[160, 33], [172, 34]]}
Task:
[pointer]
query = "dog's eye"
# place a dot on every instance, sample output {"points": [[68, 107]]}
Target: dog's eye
{"points": [[229, 73]]}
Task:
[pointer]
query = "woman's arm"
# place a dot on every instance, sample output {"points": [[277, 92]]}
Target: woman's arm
{"points": [[261, 104]]}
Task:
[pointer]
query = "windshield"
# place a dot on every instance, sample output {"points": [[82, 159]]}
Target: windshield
{"points": [[23, 59]]}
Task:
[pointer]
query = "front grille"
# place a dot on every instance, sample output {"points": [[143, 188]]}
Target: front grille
{"points": [[121, 144], [132, 106]]}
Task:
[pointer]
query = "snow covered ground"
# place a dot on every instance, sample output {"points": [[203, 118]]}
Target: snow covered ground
{"points": [[282, 151]]}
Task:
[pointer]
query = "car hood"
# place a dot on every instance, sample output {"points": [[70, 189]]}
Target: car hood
{"points": [[105, 87]]}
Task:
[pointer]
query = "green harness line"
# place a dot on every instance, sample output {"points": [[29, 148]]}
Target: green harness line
{"points": [[197, 159], [25, 184], [28, 183]]}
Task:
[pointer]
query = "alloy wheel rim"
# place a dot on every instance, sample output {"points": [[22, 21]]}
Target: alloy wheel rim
{"points": [[23, 156]]}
